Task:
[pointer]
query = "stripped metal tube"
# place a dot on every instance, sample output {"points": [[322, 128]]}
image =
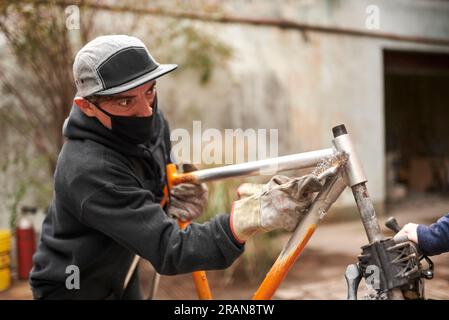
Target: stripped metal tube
{"points": [[357, 181], [266, 166], [273, 165]]}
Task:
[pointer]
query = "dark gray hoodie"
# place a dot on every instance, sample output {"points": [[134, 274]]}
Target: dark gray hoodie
{"points": [[106, 209]]}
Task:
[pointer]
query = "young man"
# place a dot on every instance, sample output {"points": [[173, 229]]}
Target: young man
{"points": [[109, 184], [432, 240]]}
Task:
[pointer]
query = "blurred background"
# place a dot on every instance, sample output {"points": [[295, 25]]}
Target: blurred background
{"points": [[380, 67]]}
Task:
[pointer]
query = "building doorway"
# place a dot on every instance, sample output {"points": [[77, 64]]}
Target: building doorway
{"points": [[416, 123]]}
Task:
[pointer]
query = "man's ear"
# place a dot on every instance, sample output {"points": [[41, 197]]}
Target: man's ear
{"points": [[86, 107]]}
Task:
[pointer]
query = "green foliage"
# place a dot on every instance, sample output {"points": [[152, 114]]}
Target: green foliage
{"points": [[202, 52], [189, 46]]}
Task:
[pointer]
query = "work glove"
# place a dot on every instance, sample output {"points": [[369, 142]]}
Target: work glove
{"points": [[279, 204], [188, 200], [248, 189]]}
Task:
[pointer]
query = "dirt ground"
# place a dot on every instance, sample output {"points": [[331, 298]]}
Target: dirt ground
{"points": [[318, 273]]}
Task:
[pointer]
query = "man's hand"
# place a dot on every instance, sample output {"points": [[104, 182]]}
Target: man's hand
{"points": [[280, 204], [410, 231], [249, 189], [188, 200]]}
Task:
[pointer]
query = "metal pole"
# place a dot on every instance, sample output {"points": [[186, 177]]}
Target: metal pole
{"points": [[266, 166], [357, 181], [154, 286], [367, 213], [131, 270]]}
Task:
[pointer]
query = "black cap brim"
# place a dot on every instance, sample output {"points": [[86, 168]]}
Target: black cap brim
{"points": [[158, 72]]}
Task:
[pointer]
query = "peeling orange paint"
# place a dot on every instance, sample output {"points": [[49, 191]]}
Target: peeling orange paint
{"points": [[199, 277], [280, 269]]}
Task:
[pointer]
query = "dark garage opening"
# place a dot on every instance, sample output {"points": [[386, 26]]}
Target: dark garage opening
{"points": [[416, 123]]}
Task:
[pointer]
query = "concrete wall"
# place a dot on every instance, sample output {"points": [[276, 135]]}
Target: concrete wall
{"points": [[304, 84]]}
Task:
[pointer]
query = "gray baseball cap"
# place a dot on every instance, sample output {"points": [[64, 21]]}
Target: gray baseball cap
{"points": [[115, 63]]}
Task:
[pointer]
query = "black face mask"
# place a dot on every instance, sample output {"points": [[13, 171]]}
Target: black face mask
{"points": [[136, 130]]}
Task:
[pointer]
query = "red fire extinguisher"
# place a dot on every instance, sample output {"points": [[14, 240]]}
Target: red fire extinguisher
{"points": [[26, 242]]}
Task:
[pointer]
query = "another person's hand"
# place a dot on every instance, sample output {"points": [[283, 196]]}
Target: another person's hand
{"points": [[410, 231], [188, 200], [280, 204]]}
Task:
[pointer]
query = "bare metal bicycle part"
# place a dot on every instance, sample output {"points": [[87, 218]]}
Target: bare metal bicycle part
{"points": [[272, 165], [390, 265], [354, 169]]}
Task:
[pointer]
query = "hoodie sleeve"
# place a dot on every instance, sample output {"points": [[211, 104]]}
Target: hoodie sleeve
{"points": [[434, 239], [130, 216]]}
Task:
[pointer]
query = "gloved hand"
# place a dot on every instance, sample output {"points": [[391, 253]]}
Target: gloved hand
{"points": [[248, 189], [280, 204], [188, 200]]}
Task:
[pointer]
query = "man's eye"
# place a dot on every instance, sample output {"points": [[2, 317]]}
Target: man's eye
{"points": [[151, 90], [125, 102]]}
